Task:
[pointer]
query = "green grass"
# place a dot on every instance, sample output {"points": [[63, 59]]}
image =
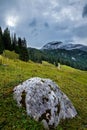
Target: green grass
{"points": [[10, 54], [72, 82]]}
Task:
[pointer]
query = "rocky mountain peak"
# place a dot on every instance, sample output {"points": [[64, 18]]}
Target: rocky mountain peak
{"points": [[63, 45]]}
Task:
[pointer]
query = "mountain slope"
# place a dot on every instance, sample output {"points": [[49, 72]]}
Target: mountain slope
{"points": [[74, 58], [72, 82], [72, 55]]}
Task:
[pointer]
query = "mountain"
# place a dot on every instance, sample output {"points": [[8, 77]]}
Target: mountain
{"points": [[74, 55], [62, 45]]}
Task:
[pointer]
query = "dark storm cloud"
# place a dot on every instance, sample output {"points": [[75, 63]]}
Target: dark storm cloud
{"points": [[84, 14], [33, 23], [46, 25], [41, 21], [34, 32]]}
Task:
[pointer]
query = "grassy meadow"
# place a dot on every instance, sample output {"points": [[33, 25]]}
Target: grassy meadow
{"points": [[72, 82]]}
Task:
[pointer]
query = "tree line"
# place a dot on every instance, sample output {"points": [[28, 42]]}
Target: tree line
{"points": [[12, 43]]}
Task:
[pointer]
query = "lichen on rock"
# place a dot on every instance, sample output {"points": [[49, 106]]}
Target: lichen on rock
{"points": [[44, 101]]}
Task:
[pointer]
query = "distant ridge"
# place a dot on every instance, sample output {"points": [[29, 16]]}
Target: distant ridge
{"points": [[66, 46]]}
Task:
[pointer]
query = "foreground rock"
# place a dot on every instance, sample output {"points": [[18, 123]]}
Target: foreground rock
{"points": [[44, 101]]}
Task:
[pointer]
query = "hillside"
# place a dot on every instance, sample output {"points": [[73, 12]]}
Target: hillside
{"points": [[75, 58], [72, 82]]}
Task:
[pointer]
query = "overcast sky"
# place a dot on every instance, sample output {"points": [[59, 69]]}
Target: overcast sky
{"points": [[43, 21]]}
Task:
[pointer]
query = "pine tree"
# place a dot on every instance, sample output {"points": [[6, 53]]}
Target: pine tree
{"points": [[1, 42], [23, 52], [14, 42], [24, 44], [7, 39]]}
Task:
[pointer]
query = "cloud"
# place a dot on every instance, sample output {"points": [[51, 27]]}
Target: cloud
{"points": [[46, 25], [84, 14], [61, 28], [80, 31], [41, 21], [78, 40], [33, 23]]}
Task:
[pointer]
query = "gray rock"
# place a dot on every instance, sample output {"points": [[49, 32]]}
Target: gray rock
{"points": [[44, 101]]}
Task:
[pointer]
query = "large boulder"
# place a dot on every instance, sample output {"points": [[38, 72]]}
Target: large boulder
{"points": [[44, 101]]}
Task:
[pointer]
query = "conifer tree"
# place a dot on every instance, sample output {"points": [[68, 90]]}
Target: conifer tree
{"points": [[7, 39], [1, 41], [23, 52], [14, 42]]}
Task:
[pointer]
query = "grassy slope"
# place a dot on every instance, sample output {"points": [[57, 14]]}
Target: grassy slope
{"points": [[71, 81]]}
